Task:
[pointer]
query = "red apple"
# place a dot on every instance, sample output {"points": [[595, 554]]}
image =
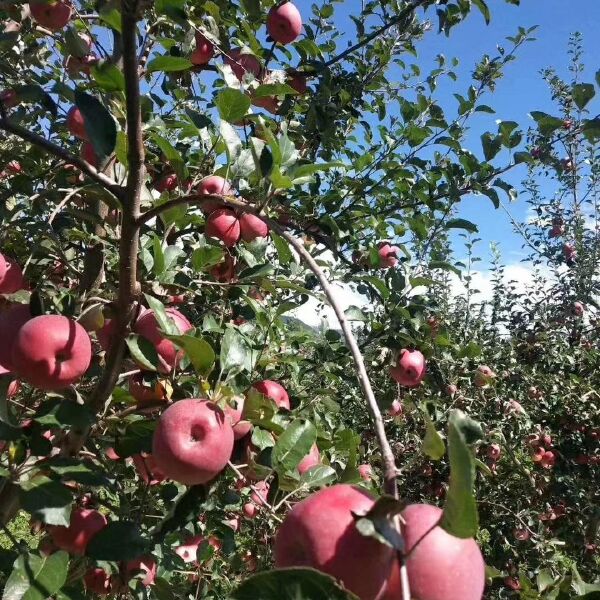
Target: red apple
{"points": [[494, 452], [78, 65], [440, 566], [270, 103], [193, 441], [366, 472], [224, 225], [3, 267], [14, 387], [556, 231], [410, 369], [233, 523], [142, 568], [225, 270], [260, 492], [98, 581], [188, 551], [148, 390], [252, 227], [9, 98], [242, 64], [13, 279], [167, 183], [51, 15], [106, 333], [578, 309], [89, 154], [147, 469], [275, 391], [204, 51], [11, 321], [76, 123], [396, 409], [147, 327], [451, 389], [312, 459], [234, 413], [284, 23], [483, 376], [297, 80], [250, 510], [83, 526], [388, 256], [51, 352], [215, 184], [319, 532]]}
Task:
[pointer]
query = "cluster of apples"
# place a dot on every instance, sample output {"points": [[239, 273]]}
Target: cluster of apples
{"points": [[284, 25], [539, 444], [84, 524], [320, 532], [226, 224]]}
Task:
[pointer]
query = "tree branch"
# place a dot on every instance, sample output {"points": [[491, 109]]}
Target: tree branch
{"points": [[106, 182], [130, 227], [395, 21]]}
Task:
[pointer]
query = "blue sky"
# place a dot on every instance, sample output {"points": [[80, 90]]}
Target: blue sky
{"points": [[522, 88]]}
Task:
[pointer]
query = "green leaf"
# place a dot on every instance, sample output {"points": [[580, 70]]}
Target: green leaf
{"points": [[158, 255], [163, 318], [232, 104], [198, 350], [206, 256], [111, 16], [462, 224], [591, 129], [59, 413], [460, 510], [143, 352], [121, 540], [582, 94], [231, 138], [266, 90], [99, 124], [491, 145], [284, 252], [183, 509], [433, 444], [235, 354], [318, 476], [546, 123], [293, 445], [108, 77], [47, 500], [379, 524], [37, 578], [291, 584], [137, 438], [169, 64]]}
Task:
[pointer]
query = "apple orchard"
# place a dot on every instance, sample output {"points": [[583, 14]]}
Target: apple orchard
{"points": [[177, 180]]}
